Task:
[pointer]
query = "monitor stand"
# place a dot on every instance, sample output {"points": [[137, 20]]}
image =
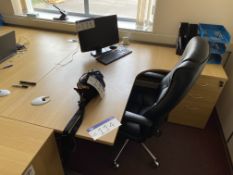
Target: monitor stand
{"points": [[99, 52]]}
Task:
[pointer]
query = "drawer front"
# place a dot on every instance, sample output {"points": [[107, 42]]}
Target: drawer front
{"points": [[196, 107], [207, 89], [191, 114]]}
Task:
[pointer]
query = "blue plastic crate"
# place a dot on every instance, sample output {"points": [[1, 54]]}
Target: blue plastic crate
{"points": [[215, 59], [217, 48], [214, 33], [1, 20]]}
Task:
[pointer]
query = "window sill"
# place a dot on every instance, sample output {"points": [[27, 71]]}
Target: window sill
{"points": [[46, 22], [127, 25]]}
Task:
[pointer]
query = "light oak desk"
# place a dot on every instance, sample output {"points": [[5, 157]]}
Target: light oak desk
{"points": [[25, 147], [39, 64]]}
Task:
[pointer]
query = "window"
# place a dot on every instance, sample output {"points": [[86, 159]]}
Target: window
{"points": [[141, 12], [124, 9], [71, 6]]}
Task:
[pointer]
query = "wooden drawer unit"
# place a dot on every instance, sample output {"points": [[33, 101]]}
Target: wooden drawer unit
{"points": [[196, 107], [27, 149]]}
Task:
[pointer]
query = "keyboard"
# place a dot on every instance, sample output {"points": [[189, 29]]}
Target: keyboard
{"points": [[113, 55]]}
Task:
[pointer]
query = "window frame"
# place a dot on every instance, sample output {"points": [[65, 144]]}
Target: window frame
{"points": [[86, 13]]}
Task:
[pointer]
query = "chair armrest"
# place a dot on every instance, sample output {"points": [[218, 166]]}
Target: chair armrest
{"points": [[149, 79], [153, 74], [136, 118]]}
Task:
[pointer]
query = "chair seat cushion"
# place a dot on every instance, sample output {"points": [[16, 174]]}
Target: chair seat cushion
{"points": [[132, 131]]}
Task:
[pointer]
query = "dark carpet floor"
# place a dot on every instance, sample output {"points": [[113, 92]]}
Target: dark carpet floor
{"points": [[181, 151]]}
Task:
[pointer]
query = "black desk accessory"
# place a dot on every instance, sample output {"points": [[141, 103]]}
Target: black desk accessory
{"points": [[20, 86], [7, 66], [63, 13], [20, 47], [186, 33], [28, 83], [66, 141]]}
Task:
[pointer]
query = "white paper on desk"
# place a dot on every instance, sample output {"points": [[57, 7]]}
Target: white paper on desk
{"points": [[104, 127], [97, 85]]}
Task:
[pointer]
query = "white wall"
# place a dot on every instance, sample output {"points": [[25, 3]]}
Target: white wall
{"points": [[224, 105], [171, 12], [6, 7]]}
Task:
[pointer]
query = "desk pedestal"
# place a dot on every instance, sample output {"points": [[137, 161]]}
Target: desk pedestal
{"points": [[197, 106]]}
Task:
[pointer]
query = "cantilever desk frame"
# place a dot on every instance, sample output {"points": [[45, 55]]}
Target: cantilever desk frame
{"points": [[45, 62]]}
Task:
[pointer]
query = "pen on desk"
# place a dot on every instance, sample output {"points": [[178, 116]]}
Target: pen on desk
{"points": [[20, 86], [28, 83], [8, 66]]}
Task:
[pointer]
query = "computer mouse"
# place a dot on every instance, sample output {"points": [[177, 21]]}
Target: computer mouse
{"points": [[112, 47], [40, 100], [4, 92]]}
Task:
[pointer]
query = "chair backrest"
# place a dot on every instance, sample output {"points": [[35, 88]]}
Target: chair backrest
{"points": [[179, 80]]}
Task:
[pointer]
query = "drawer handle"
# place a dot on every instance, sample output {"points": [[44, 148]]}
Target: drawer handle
{"points": [[221, 83], [204, 85]]}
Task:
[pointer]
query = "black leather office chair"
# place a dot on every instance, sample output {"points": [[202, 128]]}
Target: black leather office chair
{"points": [[156, 93]]}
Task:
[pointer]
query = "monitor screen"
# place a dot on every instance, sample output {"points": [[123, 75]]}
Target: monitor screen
{"points": [[97, 33], [7, 45]]}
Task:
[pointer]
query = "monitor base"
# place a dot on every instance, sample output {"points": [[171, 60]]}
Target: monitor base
{"points": [[99, 52]]}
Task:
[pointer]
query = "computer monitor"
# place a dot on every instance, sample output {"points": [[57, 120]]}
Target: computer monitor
{"points": [[7, 46], [97, 33]]}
